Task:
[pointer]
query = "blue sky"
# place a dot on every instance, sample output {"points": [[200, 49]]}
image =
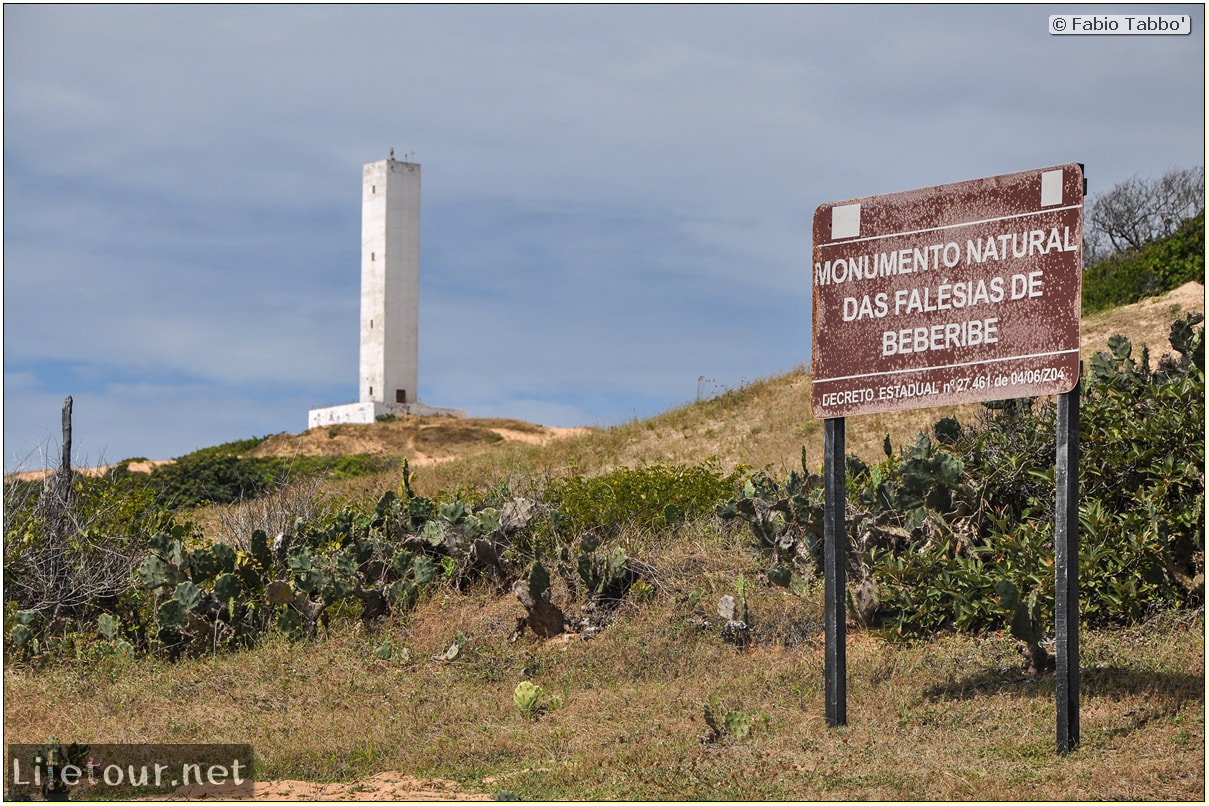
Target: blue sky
{"points": [[617, 199]]}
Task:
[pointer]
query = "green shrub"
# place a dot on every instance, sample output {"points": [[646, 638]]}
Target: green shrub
{"points": [[69, 557], [654, 496], [960, 536], [1157, 267], [200, 479], [222, 475], [1142, 500]]}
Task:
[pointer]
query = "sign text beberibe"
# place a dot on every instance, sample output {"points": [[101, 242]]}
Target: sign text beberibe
{"points": [[949, 294]]}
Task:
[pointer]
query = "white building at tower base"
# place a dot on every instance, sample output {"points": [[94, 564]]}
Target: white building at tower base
{"points": [[370, 412]]}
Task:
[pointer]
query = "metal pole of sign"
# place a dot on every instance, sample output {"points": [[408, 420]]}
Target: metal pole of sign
{"points": [[1066, 571], [835, 539]]}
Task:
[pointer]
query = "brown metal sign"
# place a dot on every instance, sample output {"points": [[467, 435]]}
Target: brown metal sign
{"points": [[949, 294]]}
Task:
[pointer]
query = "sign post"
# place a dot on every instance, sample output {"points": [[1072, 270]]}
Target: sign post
{"points": [[945, 295], [835, 539], [1066, 572]]}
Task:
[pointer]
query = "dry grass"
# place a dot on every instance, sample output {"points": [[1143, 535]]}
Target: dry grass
{"points": [[948, 719], [430, 438]]}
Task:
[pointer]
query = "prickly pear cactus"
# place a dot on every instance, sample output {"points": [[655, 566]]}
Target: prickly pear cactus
{"points": [[787, 520], [1026, 625], [733, 724], [544, 618], [527, 698], [188, 595], [227, 587], [607, 577]]}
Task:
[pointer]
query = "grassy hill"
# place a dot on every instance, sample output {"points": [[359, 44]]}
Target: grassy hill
{"points": [[762, 425], [659, 703]]}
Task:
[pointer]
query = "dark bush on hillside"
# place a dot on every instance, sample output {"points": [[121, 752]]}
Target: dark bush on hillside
{"points": [[223, 475], [190, 480], [1154, 268]]}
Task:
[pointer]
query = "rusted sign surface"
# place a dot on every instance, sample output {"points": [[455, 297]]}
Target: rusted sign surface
{"points": [[949, 294]]}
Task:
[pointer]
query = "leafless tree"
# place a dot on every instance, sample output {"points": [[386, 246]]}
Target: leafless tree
{"points": [[1138, 211], [275, 512], [55, 562]]}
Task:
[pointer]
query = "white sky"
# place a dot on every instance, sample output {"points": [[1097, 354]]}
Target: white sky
{"points": [[617, 199]]}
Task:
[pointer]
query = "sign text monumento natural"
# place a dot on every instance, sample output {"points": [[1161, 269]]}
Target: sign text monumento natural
{"points": [[950, 294]]}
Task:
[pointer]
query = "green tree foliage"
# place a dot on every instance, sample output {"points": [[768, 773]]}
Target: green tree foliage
{"points": [[1153, 268], [192, 480]]}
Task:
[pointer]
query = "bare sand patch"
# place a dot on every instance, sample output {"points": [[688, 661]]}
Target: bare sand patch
{"points": [[385, 786]]}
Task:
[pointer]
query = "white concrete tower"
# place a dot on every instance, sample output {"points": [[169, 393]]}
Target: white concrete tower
{"points": [[390, 300], [390, 282]]}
